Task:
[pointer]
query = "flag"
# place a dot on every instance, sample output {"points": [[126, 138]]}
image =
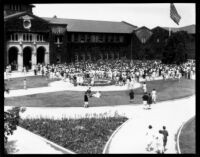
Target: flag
{"points": [[174, 14]]}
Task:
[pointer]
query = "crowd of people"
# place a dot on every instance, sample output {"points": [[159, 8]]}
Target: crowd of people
{"points": [[120, 71]]}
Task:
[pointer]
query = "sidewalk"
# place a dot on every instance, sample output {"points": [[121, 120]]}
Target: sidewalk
{"points": [[131, 137], [25, 142], [63, 86]]}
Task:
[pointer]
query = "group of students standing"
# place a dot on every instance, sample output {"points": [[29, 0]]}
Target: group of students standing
{"points": [[148, 98]]}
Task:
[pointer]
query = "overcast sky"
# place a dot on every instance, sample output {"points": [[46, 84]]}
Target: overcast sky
{"points": [[139, 14]]}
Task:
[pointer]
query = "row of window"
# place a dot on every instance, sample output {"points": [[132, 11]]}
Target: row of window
{"points": [[16, 7], [26, 37], [19, 7], [95, 38]]}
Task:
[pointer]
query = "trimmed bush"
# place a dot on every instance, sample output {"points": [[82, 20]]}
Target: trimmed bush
{"points": [[84, 136]]}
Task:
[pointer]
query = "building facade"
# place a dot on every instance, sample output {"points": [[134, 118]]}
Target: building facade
{"points": [[29, 39]]}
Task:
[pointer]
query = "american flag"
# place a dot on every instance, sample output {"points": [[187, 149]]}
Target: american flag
{"points": [[174, 14]]}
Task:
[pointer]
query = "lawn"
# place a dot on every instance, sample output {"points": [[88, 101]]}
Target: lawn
{"points": [[167, 90], [32, 82], [83, 136], [187, 137]]}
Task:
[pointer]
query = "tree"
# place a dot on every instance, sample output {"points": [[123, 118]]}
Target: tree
{"points": [[175, 49]]}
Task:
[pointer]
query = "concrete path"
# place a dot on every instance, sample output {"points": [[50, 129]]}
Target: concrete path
{"points": [[63, 86], [131, 137], [25, 142]]}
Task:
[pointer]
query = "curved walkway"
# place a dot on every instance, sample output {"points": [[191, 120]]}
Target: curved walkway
{"points": [[63, 86], [131, 137], [171, 114]]}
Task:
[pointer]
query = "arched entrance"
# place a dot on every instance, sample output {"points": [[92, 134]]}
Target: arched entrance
{"points": [[40, 55], [12, 57], [27, 54]]}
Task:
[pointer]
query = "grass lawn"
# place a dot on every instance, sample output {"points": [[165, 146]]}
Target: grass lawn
{"points": [[83, 136], [167, 90], [32, 82], [187, 137]]}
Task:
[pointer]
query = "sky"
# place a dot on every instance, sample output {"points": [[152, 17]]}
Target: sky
{"points": [[140, 14]]}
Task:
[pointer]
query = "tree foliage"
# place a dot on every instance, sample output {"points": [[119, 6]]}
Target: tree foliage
{"points": [[11, 120], [175, 50]]}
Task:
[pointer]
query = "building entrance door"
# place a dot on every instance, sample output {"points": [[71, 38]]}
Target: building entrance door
{"points": [[12, 57], [40, 55], [27, 53]]}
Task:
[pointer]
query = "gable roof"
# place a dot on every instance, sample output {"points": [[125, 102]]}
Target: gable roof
{"points": [[76, 25], [18, 14]]}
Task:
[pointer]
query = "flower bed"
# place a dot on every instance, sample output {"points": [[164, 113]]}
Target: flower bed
{"points": [[84, 136]]}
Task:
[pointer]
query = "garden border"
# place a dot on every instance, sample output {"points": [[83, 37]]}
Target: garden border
{"points": [[111, 137], [51, 143], [179, 132]]}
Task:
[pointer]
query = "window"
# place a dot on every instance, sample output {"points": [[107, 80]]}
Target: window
{"points": [[30, 37], [100, 38], [110, 38], [27, 37], [13, 37], [76, 37], [24, 37], [82, 36], [16, 37], [88, 38], [117, 38], [58, 39], [40, 37], [69, 38], [121, 39]]}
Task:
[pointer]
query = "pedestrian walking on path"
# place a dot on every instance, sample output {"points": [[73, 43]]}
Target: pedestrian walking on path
{"points": [[159, 143], [150, 137], [165, 135], [86, 100], [145, 99]]}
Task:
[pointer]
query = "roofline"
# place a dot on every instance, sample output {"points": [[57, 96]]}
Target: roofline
{"points": [[22, 13], [86, 20], [142, 27], [99, 32], [129, 24]]}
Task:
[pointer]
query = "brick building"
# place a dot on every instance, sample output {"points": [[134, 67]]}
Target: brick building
{"points": [[29, 39]]}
